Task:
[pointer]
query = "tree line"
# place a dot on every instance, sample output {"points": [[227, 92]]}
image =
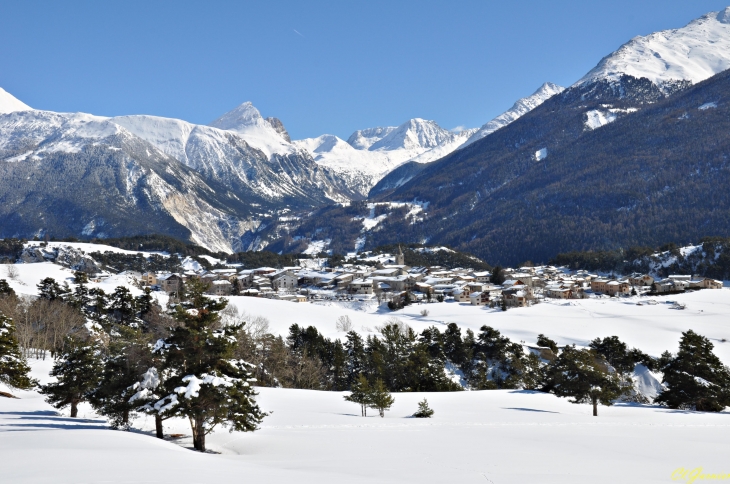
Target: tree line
{"points": [[199, 359]]}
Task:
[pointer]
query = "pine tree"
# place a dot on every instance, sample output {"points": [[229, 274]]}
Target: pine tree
{"points": [[209, 387], [356, 358], [379, 397], [145, 397], [424, 411], [124, 363], [586, 377], [545, 342], [77, 369], [13, 367], [49, 289], [695, 377], [80, 297], [360, 394], [5, 289], [122, 306]]}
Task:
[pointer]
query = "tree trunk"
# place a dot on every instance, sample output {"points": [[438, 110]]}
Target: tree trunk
{"points": [[382, 412], [198, 434], [595, 407], [125, 419], [74, 409], [158, 427]]}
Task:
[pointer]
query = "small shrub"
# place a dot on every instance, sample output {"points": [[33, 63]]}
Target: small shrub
{"points": [[344, 323], [424, 411]]}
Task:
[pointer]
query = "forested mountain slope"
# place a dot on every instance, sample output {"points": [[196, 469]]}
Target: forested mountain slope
{"points": [[552, 181]]}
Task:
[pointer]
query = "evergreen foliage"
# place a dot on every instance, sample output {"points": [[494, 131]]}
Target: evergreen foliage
{"points": [[424, 411], [360, 394], [207, 385], [13, 367], [695, 377], [77, 369], [619, 356], [51, 290], [5, 289], [546, 342], [379, 398], [125, 360], [585, 376]]}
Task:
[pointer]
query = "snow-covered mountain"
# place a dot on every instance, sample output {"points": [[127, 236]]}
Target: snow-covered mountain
{"points": [[520, 108], [9, 103], [370, 154], [74, 174], [693, 53], [268, 135], [151, 174]]}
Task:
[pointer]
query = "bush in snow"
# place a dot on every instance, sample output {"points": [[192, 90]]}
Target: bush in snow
{"points": [[344, 324], [424, 411]]}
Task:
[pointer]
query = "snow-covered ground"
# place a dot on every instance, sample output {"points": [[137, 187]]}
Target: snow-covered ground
{"points": [[651, 328], [479, 436], [497, 436]]}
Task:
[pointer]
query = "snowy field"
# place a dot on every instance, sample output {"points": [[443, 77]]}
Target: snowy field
{"points": [[493, 436], [652, 328], [481, 436]]}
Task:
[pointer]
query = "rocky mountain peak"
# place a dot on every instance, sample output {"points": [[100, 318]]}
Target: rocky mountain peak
{"points": [[279, 128]]}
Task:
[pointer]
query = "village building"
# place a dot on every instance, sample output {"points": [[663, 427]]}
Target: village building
{"points": [[704, 283], [479, 298], [149, 279], [360, 286], [641, 280], [171, 283], [284, 281], [220, 288]]}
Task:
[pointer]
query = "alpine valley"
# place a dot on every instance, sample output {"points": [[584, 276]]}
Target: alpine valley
{"points": [[636, 152]]}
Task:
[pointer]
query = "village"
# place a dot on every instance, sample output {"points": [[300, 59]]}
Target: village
{"points": [[386, 278]]}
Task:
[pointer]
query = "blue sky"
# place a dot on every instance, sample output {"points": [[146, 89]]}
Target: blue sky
{"points": [[321, 67]]}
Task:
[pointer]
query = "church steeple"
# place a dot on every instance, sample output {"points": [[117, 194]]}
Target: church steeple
{"points": [[400, 259]]}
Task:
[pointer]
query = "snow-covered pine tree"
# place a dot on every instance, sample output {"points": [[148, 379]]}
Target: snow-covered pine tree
{"points": [[379, 397], [424, 411], [77, 369], [145, 397], [586, 377], [695, 377], [13, 367], [209, 387], [360, 394]]}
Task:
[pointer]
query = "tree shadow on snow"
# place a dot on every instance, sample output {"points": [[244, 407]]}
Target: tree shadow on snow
{"points": [[43, 420], [528, 410]]}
